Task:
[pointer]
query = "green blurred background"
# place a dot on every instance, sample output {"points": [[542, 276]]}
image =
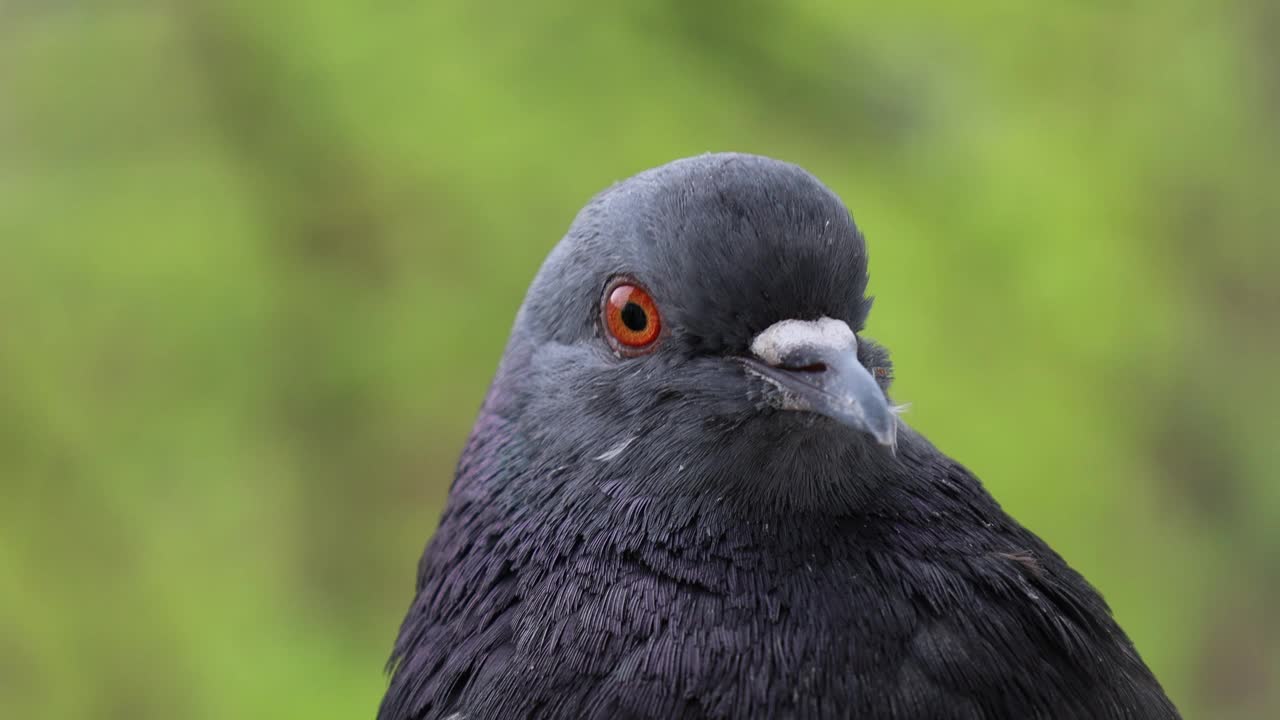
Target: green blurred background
{"points": [[258, 261]]}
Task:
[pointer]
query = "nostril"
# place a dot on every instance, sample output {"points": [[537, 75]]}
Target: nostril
{"points": [[810, 368]]}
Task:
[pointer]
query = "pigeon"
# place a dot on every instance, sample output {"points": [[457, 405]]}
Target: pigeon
{"points": [[688, 495]]}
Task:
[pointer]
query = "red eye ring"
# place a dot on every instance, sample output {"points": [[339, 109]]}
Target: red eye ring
{"points": [[630, 317]]}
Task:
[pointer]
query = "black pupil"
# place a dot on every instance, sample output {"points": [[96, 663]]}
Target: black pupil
{"points": [[634, 318]]}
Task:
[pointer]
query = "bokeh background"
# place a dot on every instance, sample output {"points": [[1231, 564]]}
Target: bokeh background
{"points": [[258, 261]]}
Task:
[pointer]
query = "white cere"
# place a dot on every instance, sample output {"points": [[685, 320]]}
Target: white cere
{"points": [[782, 337]]}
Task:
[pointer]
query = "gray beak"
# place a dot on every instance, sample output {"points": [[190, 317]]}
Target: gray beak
{"points": [[814, 363]]}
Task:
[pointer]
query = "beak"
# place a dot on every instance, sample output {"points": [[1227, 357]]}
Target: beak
{"points": [[814, 364]]}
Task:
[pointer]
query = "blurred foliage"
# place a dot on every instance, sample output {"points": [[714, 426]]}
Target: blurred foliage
{"points": [[259, 260]]}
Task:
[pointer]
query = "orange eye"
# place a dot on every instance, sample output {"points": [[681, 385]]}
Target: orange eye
{"points": [[631, 317]]}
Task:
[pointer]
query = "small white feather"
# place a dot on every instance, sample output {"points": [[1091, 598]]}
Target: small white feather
{"points": [[613, 452]]}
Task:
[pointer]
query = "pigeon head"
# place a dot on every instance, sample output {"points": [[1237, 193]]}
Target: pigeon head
{"points": [[698, 324]]}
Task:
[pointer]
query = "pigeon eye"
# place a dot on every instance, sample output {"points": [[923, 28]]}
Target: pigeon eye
{"points": [[631, 317]]}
